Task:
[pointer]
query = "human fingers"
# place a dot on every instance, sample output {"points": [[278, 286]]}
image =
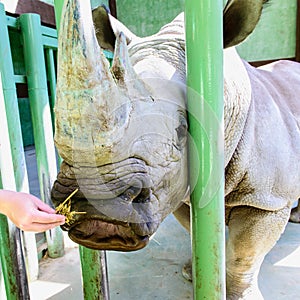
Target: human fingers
{"points": [[38, 227], [43, 206], [47, 218]]}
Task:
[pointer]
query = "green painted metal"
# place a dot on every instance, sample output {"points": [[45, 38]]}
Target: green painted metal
{"points": [[94, 274], [13, 264], [49, 39], [58, 6], [12, 260], [205, 111], [52, 79], [30, 25], [17, 155], [10, 96]]}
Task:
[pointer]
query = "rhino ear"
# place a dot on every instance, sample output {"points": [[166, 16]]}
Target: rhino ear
{"points": [[107, 28], [240, 19]]}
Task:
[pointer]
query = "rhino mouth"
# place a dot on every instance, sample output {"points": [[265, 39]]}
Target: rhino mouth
{"points": [[118, 211], [111, 224], [101, 235]]}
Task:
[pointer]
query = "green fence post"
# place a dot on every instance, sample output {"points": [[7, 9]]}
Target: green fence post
{"points": [[58, 5], [11, 252], [15, 135], [13, 265], [52, 80], [41, 118], [94, 274], [205, 108]]}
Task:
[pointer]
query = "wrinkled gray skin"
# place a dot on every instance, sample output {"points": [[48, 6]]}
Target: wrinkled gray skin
{"points": [[122, 135]]}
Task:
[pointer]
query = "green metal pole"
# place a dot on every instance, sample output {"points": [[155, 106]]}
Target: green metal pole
{"points": [[58, 4], [205, 110], [15, 135], [11, 251], [52, 80], [52, 87], [94, 274], [41, 118]]}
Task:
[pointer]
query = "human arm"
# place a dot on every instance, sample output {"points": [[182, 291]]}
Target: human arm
{"points": [[28, 212]]}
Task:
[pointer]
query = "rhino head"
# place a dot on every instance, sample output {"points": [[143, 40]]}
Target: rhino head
{"points": [[121, 129]]}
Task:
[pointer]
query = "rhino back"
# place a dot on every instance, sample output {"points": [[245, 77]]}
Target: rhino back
{"points": [[264, 170]]}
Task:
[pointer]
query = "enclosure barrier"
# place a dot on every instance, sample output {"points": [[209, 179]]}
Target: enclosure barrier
{"points": [[205, 113], [30, 25], [39, 40]]}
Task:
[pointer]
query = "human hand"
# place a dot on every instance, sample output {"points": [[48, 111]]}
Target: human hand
{"points": [[28, 212]]}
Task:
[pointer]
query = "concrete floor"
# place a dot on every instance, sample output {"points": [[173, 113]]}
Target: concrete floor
{"points": [[155, 271]]}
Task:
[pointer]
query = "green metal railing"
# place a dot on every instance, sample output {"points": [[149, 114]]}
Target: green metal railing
{"points": [[30, 25], [37, 41], [12, 169], [205, 110], [13, 265]]}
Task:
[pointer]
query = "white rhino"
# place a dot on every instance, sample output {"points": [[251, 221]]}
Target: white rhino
{"points": [[122, 134]]}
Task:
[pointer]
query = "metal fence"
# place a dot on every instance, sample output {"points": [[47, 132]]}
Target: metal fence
{"points": [[38, 44]]}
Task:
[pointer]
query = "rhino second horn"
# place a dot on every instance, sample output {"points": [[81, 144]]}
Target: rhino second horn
{"points": [[88, 100], [124, 72], [121, 66]]}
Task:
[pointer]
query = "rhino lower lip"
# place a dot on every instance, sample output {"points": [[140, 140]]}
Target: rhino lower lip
{"points": [[101, 235]]}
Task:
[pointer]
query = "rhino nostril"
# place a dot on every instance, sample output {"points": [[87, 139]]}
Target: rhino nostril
{"points": [[143, 196], [136, 195], [131, 193]]}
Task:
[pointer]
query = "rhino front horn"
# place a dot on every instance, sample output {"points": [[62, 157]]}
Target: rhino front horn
{"points": [[89, 105]]}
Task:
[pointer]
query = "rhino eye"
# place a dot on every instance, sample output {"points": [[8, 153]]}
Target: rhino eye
{"points": [[181, 131]]}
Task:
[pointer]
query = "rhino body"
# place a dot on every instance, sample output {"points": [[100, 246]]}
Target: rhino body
{"points": [[122, 132]]}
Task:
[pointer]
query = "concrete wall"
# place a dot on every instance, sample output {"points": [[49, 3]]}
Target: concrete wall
{"points": [[275, 35], [147, 17]]}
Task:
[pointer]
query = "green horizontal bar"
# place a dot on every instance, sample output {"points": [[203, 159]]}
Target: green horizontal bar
{"points": [[47, 31], [49, 42], [12, 22], [20, 79]]}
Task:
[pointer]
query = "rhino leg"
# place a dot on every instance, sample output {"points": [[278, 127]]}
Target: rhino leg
{"points": [[252, 234], [182, 214], [295, 214]]}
